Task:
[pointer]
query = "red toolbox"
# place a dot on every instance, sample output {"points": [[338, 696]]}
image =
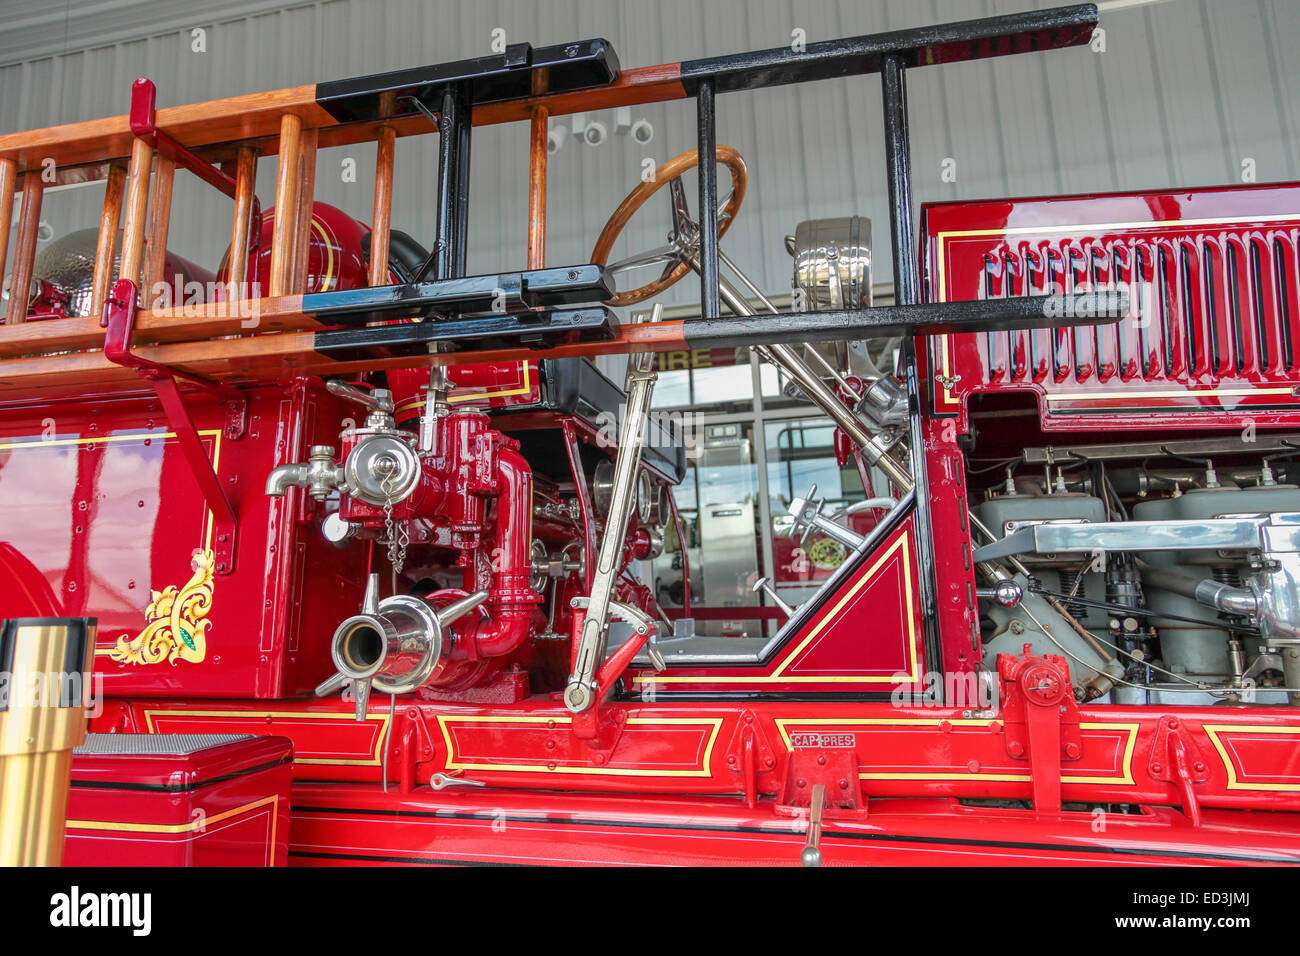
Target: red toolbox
{"points": [[179, 800]]}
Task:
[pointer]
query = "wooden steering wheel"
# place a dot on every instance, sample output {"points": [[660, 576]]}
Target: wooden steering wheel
{"points": [[685, 234]]}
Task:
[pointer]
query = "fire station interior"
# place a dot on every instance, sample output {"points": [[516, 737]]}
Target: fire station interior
{"points": [[588, 413]]}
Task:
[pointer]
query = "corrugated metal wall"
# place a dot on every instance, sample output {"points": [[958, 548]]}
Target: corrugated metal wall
{"points": [[1184, 92]]}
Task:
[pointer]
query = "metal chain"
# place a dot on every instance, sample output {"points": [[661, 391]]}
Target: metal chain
{"points": [[398, 537]]}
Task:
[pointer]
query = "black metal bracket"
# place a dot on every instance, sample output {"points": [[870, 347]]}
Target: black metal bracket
{"points": [[707, 143], [926, 318], [448, 93], [455, 124], [541, 330], [583, 64], [507, 293], [118, 320]]}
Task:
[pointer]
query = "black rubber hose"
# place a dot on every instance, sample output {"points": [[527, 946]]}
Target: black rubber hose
{"points": [[405, 256]]}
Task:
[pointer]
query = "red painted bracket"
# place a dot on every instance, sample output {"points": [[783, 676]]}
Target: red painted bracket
{"points": [[843, 445], [600, 728], [415, 747], [610, 671], [1176, 759], [593, 724], [118, 319], [1041, 720], [749, 754], [836, 768], [144, 103]]}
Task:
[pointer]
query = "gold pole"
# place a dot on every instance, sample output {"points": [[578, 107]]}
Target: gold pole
{"points": [[44, 664]]}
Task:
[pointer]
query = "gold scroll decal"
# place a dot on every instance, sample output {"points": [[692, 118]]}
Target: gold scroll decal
{"points": [[178, 625]]}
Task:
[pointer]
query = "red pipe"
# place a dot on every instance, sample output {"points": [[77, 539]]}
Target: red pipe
{"points": [[511, 600]]}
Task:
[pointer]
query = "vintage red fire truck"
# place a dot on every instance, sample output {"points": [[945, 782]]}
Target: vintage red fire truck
{"points": [[360, 537]]}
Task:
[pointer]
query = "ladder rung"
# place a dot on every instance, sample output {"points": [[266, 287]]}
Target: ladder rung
{"points": [[184, 324]]}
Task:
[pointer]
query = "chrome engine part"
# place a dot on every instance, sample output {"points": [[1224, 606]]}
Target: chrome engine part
{"points": [[1036, 621], [1199, 592], [393, 645], [1008, 513], [1199, 650]]}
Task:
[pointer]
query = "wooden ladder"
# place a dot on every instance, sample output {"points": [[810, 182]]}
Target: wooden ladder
{"points": [[137, 156]]}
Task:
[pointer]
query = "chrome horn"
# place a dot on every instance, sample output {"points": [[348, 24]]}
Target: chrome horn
{"points": [[393, 645]]}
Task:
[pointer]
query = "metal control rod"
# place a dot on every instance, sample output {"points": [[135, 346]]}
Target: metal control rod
{"points": [[789, 361], [810, 383], [812, 851], [582, 692]]}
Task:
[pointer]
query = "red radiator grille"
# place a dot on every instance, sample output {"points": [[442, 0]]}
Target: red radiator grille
{"points": [[1214, 328], [1223, 305]]}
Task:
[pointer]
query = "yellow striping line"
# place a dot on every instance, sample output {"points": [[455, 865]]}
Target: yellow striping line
{"points": [[375, 761], [451, 763], [1130, 729], [778, 675], [189, 826], [1234, 783]]}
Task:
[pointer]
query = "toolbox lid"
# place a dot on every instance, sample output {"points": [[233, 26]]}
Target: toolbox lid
{"points": [[173, 762]]}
